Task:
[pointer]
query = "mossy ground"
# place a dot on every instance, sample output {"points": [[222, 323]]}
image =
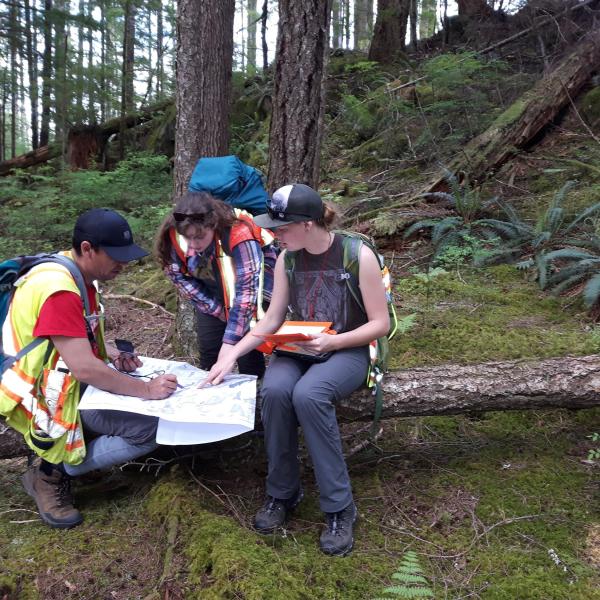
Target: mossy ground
{"points": [[486, 502]]}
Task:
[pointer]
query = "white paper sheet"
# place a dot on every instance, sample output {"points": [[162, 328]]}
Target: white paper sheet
{"points": [[191, 415]]}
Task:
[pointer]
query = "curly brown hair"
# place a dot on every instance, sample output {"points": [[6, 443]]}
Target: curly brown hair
{"points": [[205, 211]]}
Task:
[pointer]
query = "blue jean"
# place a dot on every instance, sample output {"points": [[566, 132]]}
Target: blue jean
{"points": [[121, 437]]}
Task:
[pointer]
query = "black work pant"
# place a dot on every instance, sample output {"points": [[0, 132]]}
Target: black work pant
{"points": [[210, 338]]}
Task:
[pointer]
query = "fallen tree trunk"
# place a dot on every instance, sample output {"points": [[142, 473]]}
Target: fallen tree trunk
{"points": [[29, 159], [566, 382], [83, 141], [516, 128]]}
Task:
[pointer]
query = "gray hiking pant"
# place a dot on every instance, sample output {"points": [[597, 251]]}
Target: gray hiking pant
{"points": [[295, 393]]}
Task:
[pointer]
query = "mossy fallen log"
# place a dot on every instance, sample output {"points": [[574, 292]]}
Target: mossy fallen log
{"points": [[84, 141], [565, 382], [520, 124]]}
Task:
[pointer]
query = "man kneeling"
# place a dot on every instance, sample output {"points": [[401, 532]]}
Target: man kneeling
{"points": [[40, 392]]}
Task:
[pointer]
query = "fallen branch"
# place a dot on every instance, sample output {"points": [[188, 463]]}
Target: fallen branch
{"points": [[136, 299]]}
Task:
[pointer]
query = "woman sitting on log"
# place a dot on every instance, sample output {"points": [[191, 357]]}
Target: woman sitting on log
{"points": [[296, 391], [221, 261]]}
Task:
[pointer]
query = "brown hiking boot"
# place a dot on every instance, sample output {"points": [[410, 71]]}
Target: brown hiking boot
{"points": [[52, 494]]}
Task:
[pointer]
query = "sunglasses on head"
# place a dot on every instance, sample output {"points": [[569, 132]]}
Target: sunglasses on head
{"points": [[180, 217]]}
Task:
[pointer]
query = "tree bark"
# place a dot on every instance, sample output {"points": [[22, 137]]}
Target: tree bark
{"points": [[299, 95], [363, 15], [389, 37], [252, 17], [204, 64], [32, 69], [474, 8], [127, 89], [515, 129], [565, 382]]}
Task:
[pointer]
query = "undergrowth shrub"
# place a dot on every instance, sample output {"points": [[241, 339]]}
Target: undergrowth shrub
{"points": [[43, 209]]}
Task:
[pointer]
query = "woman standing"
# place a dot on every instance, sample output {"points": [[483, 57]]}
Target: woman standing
{"points": [[223, 263], [297, 392]]}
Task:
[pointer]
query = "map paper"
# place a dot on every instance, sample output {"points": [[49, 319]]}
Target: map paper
{"points": [[191, 415]]}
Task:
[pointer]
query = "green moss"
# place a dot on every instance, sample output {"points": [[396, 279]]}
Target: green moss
{"points": [[484, 315], [590, 106], [511, 114]]}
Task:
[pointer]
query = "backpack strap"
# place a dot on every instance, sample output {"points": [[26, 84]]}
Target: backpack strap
{"points": [[80, 282], [352, 246]]}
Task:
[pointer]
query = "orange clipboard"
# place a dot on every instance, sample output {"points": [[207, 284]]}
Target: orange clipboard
{"points": [[295, 331]]}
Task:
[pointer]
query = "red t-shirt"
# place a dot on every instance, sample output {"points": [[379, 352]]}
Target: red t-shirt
{"points": [[62, 314]]}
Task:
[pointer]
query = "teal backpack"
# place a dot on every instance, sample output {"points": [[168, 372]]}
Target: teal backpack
{"points": [[352, 242]]}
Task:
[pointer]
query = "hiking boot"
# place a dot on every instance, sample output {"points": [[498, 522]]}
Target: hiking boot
{"points": [[274, 512], [337, 539], [51, 491]]}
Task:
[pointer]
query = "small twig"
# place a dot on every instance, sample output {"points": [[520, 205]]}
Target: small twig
{"points": [[136, 299], [586, 126], [362, 445]]}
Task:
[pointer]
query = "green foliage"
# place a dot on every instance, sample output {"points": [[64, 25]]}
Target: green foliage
{"points": [[43, 209], [412, 582], [459, 238], [594, 453]]}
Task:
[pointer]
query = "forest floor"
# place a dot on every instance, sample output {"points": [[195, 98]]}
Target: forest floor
{"points": [[500, 505]]}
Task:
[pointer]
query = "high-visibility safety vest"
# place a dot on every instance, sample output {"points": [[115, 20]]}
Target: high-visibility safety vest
{"points": [[240, 232], [38, 394]]}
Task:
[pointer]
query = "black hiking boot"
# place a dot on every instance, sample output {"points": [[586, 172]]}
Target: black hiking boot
{"points": [[274, 512], [337, 539], [51, 490]]}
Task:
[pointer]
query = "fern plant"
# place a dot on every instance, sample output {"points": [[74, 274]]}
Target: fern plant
{"points": [[411, 581], [466, 225]]}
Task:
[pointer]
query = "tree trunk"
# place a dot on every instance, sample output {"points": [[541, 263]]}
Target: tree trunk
{"points": [[204, 63], [31, 43], [252, 17], [566, 382], [263, 34], [127, 89], [362, 33], [413, 14], [14, 44], [389, 37], [61, 42], [337, 24], [427, 18], [299, 94], [160, 60], [515, 129]]}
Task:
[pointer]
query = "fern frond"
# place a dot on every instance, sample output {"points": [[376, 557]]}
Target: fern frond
{"points": [[567, 283], [409, 592], [584, 215], [542, 270], [580, 269], [409, 577], [525, 264], [511, 213], [509, 230], [406, 323], [424, 224], [568, 254], [443, 227], [560, 196], [591, 292], [498, 255]]}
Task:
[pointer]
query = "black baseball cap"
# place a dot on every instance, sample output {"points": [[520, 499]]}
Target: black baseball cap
{"points": [[290, 204], [110, 231]]}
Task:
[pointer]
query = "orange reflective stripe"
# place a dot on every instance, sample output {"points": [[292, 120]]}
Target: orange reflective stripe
{"points": [[22, 375], [11, 395], [74, 445], [178, 249], [60, 404]]}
